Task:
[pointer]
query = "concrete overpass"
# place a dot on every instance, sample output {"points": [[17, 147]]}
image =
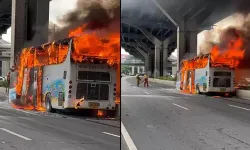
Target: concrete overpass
{"points": [[29, 21], [4, 57], [152, 29]]}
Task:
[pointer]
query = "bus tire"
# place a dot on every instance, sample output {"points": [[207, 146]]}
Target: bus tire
{"points": [[48, 104]]}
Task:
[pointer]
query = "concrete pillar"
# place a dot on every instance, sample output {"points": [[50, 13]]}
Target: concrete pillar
{"points": [[148, 62], [186, 40], [150, 65], [18, 27], [138, 69], [165, 57], [192, 31], [29, 24], [180, 44], [143, 69], [161, 62], [133, 70], [157, 61]]}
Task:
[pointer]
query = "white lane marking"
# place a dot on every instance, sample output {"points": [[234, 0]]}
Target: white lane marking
{"points": [[180, 106], [146, 92], [127, 138], [13, 133], [238, 107], [155, 96], [110, 134]]}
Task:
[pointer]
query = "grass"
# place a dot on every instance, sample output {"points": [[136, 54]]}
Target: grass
{"points": [[4, 84], [169, 78]]}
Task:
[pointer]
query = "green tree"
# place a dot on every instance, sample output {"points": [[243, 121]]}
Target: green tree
{"points": [[125, 69]]}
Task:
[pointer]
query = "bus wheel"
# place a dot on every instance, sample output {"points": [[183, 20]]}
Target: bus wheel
{"points": [[48, 104]]}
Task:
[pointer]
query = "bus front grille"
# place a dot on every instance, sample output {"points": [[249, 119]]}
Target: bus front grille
{"points": [[92, 91]]}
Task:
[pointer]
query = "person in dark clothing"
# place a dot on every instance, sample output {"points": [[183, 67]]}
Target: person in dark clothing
{"points": [[8, 80]]}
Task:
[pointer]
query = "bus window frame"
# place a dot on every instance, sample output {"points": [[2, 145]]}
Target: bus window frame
{"points": [[110, 77]]}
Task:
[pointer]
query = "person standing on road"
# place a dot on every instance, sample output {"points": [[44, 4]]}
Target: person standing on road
{"points": [[145, 80], [138, 79], [8, 80]]}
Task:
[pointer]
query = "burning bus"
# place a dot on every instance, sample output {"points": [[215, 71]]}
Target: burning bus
{"points": [[211, 73], [199, 75], [67, 74]]}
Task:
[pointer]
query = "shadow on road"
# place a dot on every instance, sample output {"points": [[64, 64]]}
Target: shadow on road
{"points": [[90, 116]]}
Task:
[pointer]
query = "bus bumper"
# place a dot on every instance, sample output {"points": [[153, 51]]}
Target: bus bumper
{"points": [[97, 105]]}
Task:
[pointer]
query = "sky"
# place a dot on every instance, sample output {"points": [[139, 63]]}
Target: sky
{"points": [[55, 12]]}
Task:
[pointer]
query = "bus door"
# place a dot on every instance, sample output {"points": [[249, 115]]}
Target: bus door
{"points": [[186, 81], [192, 81], [37, 87]]}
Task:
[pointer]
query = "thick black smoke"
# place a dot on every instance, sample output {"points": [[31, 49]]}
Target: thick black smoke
{"points": [[94, 14], [242, 6]]}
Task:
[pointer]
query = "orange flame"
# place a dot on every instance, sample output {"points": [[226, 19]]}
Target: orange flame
{"points": [[90, 44], [99, 113], [230, 57]]}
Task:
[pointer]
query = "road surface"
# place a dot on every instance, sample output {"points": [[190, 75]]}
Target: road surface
{"points": [[25, 130], [161, 118]]}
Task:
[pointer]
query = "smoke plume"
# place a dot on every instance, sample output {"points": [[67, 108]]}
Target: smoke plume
{"points": [[95, 14], [237, 27], [242, 6]]}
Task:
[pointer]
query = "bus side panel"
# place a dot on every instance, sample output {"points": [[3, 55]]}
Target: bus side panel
{"points": [[112, 87], [233, 81], [55, 82], [201, 79]]}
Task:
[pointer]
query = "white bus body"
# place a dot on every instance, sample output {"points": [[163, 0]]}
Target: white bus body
{"points": [[67, 83], [210, 79]]}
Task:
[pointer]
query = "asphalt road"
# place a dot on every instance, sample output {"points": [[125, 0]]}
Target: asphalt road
{"points": [[161, 118], [25, 130]]}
